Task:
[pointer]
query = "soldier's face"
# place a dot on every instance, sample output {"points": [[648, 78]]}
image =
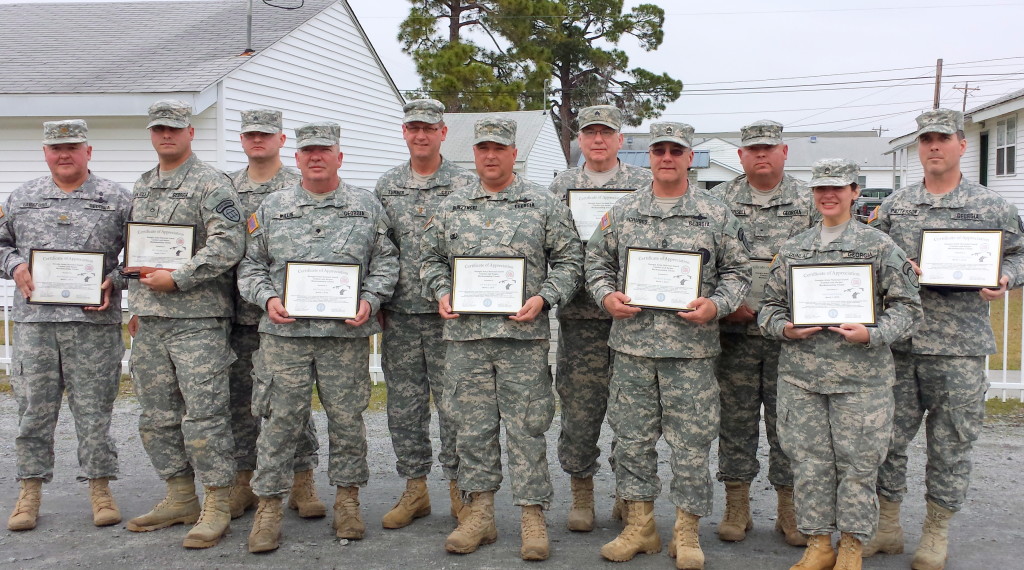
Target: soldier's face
{"points": [[600, 145], [835, 202], [262, 145], [318, 163], [940, 153], [424, 139], [669, 162], [68, 161], [171, 143], [764, 159], [495, 163]]}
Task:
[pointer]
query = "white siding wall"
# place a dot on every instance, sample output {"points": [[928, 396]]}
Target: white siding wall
{"points": [[1011, 186], [546, 158], [323, 71], [722, 152], [877, 177]]}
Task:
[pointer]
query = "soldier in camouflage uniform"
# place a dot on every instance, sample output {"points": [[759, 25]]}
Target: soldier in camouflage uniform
{"points": [[181, 354], [835, 386], [413, 348], [262, 138], [772, 206], [65, 347], [584, 359], [941, 369], [321, 219], [497, 364], [663, 378]]}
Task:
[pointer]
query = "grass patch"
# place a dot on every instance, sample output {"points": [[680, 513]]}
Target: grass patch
{"points": [[995, 362]]}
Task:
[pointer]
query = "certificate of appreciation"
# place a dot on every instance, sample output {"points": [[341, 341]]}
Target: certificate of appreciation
{"points": [[961, 258], [589, 204], [832, 294], [662, 279], [66, 277], [321, 290], [159, 246], [759, 278], [488, 285]]}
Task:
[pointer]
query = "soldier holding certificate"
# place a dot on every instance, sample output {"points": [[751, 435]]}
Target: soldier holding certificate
{"points": [[941, 369], [59, 347], [679, 249]]}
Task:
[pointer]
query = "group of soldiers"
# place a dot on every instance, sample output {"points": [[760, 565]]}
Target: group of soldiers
{"points": [[224, 374]]}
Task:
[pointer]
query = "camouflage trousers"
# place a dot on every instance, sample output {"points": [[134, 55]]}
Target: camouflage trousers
{"points": [[180, 371], [85, 360], [583, 373], [952, 390], [494, 381], [747, 372], [245, 427], [677, 397], [413, 363], [287, 368], [836, 442]]}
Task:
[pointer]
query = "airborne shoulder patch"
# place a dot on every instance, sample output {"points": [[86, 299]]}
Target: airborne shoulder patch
{"points": [[252, 224]]}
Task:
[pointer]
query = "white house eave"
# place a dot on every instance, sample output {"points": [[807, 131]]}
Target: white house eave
{"points": [[99, 104], [1001, 109], [726, 166]]}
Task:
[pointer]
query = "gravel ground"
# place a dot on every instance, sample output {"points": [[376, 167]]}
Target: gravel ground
{"points": [[987, 534]]}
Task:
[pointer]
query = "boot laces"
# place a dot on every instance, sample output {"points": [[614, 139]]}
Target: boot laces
{"points": [[582, 498], [25, 500], [263, 515], [102, 499], [474, 523], [534, 528]]}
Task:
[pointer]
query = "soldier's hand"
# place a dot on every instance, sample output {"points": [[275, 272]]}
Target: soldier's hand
{"points": [[444, 307], [615, 304], [988, 294], [133, 326], [276, 312], [704, 311], [106, 287], [853, 332], [362, 316], [794, 333], [917, 268], [529, 311], [23, 280], [740, 315], [159, 280]]}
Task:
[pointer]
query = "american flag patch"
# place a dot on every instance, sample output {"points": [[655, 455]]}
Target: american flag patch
{"points": [[606, 222], [252, 224], [874, 214]]}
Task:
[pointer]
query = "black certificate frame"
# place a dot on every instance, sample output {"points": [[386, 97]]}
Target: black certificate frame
{"points": [[961, 286], [673, 308], [456, 259], [568, 201], [358, 288], [128, 237], [870, 291], [99, 282]]}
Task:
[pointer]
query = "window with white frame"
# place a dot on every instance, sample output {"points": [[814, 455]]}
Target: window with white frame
{"points": [[1006, 146]]}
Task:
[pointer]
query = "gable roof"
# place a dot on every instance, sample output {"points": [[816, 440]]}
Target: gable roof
{"points": [[134, 47], [997, 101], [458, 146]]}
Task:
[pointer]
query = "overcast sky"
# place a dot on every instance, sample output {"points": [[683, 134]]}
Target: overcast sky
{"points": [[736, 44]]}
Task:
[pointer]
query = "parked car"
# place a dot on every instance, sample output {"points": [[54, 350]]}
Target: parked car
{"points": [[869, 199]]}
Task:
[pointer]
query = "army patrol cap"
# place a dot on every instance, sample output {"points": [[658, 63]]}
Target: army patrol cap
{"points": [[318, 134], [679, 133], [761, 132], [607, 115], [943, 121], [495, 129], [834, 172], [424, 111], [261, 121], [65, 132], [170, 113]]}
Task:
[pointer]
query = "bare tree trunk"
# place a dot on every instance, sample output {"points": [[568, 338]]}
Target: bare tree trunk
{"points": [[565, 111]]}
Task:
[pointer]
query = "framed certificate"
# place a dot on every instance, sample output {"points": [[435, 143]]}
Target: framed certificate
{"points": [[159, 246], [488, 285], [965, 259], [662, 279], [66, 277], [830, 294], [589, 204], [315, 290], [759, 278]]}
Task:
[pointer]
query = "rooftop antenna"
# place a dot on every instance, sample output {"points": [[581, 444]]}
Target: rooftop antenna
{"points": [[248, 34]]}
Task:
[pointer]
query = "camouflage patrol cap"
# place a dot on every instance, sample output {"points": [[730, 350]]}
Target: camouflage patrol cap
{"points": [[65, 132], [424, 111], [171, 113], [761, 132], [679, 133], [942, 121], [261, 121], [495, 129], [834, 172], [607, 115], [318, 134]]}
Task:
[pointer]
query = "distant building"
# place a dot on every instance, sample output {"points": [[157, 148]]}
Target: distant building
{"points": [[540, 155]]}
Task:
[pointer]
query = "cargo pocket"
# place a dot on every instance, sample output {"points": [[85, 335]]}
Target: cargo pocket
{"points": [[539, 409], [261, 395], [967, 416]]}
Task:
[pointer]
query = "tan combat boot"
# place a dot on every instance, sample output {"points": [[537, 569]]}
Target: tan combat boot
{"points": [[476, 527], [242, 497], [931, 551], [104, 509], [819, 554], [889, 537], [619, 510], [685, 545], [214, 522], [639, 534], [180, 506], [266, 526], [303, 497], [455, 495], [413, 504], [737, 521], [850, 553], [785, 520], [534, 534], [581, 515], [26, 510], [348, 523]]}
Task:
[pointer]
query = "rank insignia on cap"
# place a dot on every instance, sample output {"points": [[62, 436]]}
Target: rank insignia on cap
{"points": [[606, 221], [252, 224]]}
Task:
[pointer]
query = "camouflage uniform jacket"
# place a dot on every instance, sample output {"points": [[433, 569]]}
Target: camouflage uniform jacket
{"points": [[956, 323], [202, 196], [628, 177], [698, 222], [409, 207], [523, 220], [767, 227], [39, 215], [826, 362], [348, 227], [250, 196]]}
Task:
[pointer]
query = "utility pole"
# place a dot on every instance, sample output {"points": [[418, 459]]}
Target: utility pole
{"points": [[938, 82], [965, 89], [880, 130]]}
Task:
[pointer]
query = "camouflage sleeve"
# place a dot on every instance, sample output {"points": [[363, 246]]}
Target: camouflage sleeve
{"points": [[880, 218], [225, 237], [901, 313], [775, 312], [254, 282], [124, 213], [435, 271], [733, 261], [602, 260], [382, 274], [1013, 248], [9, 256], [565, 257]]}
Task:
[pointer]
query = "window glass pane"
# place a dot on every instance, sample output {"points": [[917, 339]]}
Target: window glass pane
{"points": [[1000, 156], [1011, 160], [1001, 133], [1011, 131]]}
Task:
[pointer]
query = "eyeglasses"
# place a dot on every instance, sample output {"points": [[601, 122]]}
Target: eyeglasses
{"points": [[674, 151], [417, 129], [604, 133]]}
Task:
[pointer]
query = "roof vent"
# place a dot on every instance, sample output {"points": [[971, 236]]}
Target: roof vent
{"points": [[814, 139]]}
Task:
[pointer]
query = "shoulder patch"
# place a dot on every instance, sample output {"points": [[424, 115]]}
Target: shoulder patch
{"points": [[1, 211], [606, 221], [874, 215], [252, 224], [229, 210]]}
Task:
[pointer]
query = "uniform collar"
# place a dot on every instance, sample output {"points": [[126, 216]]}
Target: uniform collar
{"points": [[179, 174], [441, 177], [955, 198]]}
